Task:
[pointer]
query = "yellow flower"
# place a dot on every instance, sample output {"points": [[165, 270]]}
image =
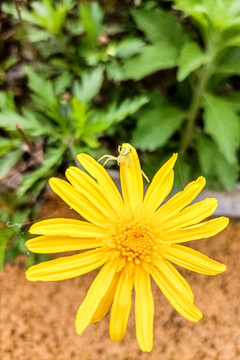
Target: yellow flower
{"points": [[131, 238]]}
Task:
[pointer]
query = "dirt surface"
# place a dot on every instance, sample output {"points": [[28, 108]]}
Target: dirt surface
{"points": [[37, 319]]}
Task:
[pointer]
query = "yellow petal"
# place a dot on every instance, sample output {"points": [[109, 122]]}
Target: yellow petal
{"points": [[84, 184], [95, 295], [69, 227], [106, 301], [174, 277], [55, 244], [181, 199], [121, 307], [78, 202], [179, 299], [192, 214], [144, 310], [66, 267], [160, 186], [203, 230], [131, 179], [193, 260], [98, 172]]}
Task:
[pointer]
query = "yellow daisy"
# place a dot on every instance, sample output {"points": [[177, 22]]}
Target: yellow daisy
{"points": [[132, 238]]}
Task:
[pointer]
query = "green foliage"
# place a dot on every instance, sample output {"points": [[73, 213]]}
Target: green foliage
{"points": [[8, 161], [160, 26], [90, 85], [223, 124], [91, 17], [215, 16], [12, 235], [151, 59], [46, 14], [157, 122], [166, 37], [191, 58], [219, 172], [51, 161]]}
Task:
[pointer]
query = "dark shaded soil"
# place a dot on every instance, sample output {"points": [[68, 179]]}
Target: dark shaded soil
{"points": [[37, 319]]}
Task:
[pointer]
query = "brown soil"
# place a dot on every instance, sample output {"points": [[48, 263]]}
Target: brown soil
{"points": [[37, 319]]}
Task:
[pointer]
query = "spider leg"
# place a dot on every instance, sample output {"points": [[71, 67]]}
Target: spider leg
{"points": [[109, 157], [104, 157], [133, 163], [143, 173]]}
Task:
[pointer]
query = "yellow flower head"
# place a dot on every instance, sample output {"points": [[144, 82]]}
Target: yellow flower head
{"points": [[132, 238]]}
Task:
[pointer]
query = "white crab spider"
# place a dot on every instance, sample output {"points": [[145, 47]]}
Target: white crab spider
{"points": [[122, 158]]}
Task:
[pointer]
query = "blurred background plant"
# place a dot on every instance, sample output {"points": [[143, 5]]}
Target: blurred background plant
{"points": [[86, 76]]}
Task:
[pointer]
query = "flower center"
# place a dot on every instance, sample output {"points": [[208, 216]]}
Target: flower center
{"points": [[135, 241]]}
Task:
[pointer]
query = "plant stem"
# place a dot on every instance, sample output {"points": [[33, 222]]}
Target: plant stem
{"points": [[193, 112], [28, 43], [73, 153], [25, 138]]}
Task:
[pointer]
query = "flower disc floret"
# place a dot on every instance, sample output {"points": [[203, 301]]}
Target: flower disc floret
{"points": [[135, 241]]}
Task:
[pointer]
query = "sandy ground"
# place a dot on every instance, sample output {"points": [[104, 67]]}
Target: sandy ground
{"points": [[37, 319]]}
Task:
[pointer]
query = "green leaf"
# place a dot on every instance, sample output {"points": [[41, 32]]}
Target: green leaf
{"points": [[52, 159], [97, 15], [80, 115], [91, 18], [36, 125], [5, 234], [230, 63], [129, 47], [38, 35], [91, 141], [205, 147], [223, 125], [234, 100], [90, 85], [44, 98], [7, 101], [41, 87], [55, 46], [228, 174], [9, 62], [9, 119], [216, 168], [229, 69], [191, 58], [27, 121], [13, 231], [51, 17], [160, 26], [62, 82], [115, 113], [7, 145], [153, 58], [74, 26], [8, 161], [126, 108], [115, 72], [156, 124], [216, 15], [25, 14]]}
